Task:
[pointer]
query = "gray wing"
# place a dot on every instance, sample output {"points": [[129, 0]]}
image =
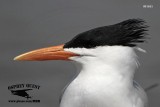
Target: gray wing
{"points": [[141, 94]]}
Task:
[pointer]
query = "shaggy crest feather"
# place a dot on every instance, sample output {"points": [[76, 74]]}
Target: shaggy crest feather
{"points": [[126, 33]]}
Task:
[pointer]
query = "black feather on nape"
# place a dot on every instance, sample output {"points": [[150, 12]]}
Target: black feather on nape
{"points": [[126, 33], [131, 31]]}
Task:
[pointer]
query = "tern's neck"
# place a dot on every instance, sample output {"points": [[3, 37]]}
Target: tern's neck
{"points": [[120, 63], [98, 68]]}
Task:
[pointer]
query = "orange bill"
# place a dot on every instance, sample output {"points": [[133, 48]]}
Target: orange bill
{"points": [[49, 53]]}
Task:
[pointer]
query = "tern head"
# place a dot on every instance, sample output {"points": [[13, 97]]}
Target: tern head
{"points": [[112, 44]]}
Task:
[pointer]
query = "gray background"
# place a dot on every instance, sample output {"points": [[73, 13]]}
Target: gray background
{"points": [[30, 24]]}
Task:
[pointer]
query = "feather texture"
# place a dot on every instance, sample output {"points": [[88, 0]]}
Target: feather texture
{"points": [[126, 33]]}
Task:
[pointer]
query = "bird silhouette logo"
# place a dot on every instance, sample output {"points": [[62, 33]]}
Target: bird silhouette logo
{"points": [[21, 93]]}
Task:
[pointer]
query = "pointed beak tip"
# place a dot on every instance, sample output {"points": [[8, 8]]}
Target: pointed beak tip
{"points": [[17, 58], [21, 57]]}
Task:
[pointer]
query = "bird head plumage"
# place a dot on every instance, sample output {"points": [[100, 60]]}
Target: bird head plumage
{"points": [[102, 41], [126, 33]]}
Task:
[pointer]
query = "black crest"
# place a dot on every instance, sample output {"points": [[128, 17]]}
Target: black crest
{"points": [[126, 33]]}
